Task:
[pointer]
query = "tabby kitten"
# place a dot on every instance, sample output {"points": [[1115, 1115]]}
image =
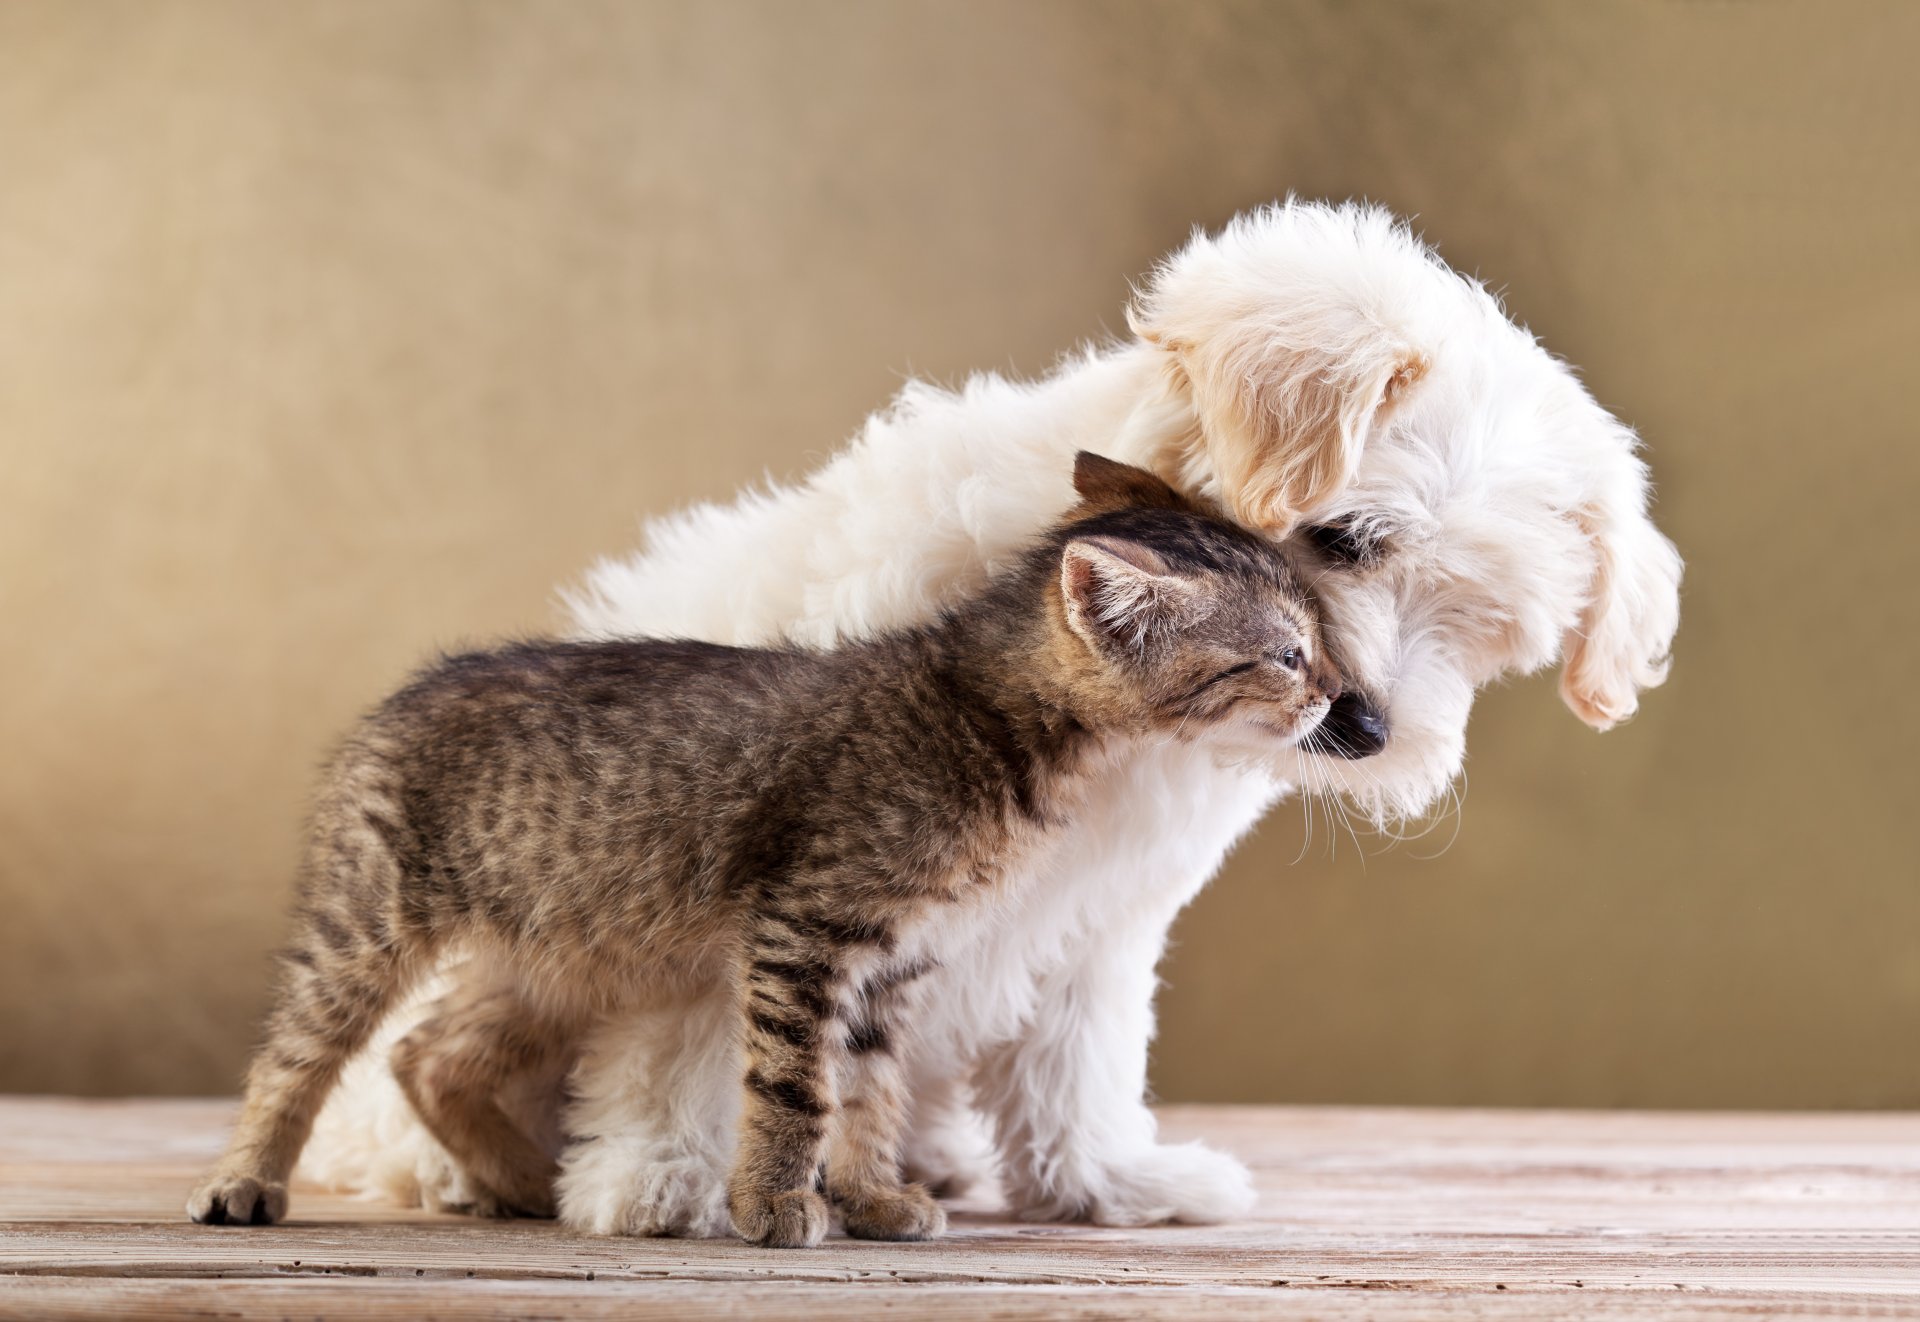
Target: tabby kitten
{"points": [[615, 819]]}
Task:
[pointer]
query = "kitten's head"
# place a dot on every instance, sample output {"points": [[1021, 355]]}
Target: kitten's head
{"points": [[1178, 621]]}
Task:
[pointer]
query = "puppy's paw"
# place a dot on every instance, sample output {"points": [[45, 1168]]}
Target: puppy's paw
{"points": [[1187, 1182], [790, 1219], [950, 1157], [908, 1212], [227, 1199], [604, 1191]]}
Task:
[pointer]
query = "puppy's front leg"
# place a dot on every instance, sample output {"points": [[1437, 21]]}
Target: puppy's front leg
{"points": [[656, 1103], [1077, 1140], [1067, 1096]]}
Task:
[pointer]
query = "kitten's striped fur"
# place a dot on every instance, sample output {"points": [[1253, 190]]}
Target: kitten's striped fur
{"points": [[616, 819]]}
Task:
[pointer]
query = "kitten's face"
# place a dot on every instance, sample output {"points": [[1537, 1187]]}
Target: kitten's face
{"points": [[1195, 629]]}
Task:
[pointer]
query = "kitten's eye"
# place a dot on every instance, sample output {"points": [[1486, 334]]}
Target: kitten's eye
{"points": [[1290, 658], [1345, 542]]}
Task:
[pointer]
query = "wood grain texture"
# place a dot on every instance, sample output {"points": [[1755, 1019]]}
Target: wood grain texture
{"points": [[1364, 1213]]}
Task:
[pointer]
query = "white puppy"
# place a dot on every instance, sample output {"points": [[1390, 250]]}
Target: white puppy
{"points": [[1470, 512]]}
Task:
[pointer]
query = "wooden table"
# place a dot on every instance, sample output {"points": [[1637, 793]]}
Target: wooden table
{"points": [[1364, 1213]]}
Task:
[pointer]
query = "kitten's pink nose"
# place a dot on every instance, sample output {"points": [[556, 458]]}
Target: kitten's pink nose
{"points": [[1330, 686]]}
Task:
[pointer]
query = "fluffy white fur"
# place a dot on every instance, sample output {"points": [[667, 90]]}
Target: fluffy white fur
{"points": [[1308, 363]]}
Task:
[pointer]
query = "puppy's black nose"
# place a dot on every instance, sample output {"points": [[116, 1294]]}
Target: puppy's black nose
{"points": [[1354, 727]]}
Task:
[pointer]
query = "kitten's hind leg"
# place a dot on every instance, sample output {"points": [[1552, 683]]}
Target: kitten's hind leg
{"points": [[356, 948], [340, 975], [453, 1066], [863, 1150]]}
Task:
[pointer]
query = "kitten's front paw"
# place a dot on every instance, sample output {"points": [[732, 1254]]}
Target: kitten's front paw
{"points": [[791, 1219], [908, 1212], [606, 1191], [237, 1200], [1187, 1182]]}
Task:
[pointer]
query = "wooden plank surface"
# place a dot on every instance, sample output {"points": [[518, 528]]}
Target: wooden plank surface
{"points": [[1364, 1213]]}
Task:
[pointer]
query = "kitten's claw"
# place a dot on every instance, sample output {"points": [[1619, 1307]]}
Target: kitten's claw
{"points": [[792, 1219], [237, 1200], [908, 1212]]}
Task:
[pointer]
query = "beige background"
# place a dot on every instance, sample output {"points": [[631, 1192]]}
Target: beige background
{"points": [[330, 333]]}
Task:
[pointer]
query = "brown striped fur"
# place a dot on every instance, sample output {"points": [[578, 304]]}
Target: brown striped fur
{"points": [[616, 820]]}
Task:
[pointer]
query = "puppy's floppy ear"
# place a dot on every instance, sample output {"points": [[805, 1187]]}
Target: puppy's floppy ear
{"points": [[1108, 484], [1292, 348], [1118, 592], [1626, 628]]}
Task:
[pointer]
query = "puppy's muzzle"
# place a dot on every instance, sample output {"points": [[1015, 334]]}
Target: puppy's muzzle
{"points": [[1354, 727]]}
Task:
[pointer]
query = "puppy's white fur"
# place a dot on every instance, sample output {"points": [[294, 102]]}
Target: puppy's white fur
{"points": [[1309, 363]]}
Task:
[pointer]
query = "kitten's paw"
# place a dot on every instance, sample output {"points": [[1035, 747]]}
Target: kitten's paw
{"points": [[486, 1203], [480, 1203], [1187, 1182], [602, 1194], [531, 1198], [908, 1212], [225, 1199], [790, 1219], [438, 1183]]}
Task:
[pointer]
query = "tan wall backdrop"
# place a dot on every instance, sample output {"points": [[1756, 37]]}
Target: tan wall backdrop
{"points": [[332, 333]]}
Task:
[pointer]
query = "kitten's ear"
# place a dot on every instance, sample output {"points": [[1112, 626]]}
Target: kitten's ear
{"points": [[1107, 484], [1119, 592]]}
